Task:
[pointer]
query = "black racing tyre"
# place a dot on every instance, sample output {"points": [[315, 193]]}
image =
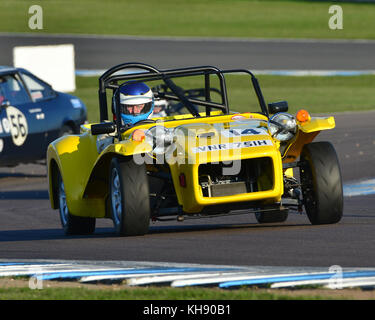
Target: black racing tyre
{"points": [[72, 225], [321, 183], [272, 216], [129, 197]]}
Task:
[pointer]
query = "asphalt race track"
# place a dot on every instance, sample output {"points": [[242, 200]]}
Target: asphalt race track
{"points": [[103, 52], [30, 229]]}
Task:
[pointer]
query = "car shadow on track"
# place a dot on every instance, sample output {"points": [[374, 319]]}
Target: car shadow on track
{"points": [[30, 235], [58, 234], [24, 194], [48, 234], [227, 227], [4, 175]]}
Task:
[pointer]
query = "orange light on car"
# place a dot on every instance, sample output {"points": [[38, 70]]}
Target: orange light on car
{"points": [[138, 135], [303, 116]]}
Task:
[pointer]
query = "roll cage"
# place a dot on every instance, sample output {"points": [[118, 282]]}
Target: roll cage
{"points": [[110, 80]]}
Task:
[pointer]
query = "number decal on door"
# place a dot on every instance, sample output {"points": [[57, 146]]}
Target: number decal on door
{"points": [[18, 125]]}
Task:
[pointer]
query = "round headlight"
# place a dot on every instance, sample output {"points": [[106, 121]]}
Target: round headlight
{"points": [[160, 138], [282, 126]]}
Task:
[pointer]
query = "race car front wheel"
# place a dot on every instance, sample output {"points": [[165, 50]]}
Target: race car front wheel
{"points": [[70, 223], [321, 183], [129, 197]]}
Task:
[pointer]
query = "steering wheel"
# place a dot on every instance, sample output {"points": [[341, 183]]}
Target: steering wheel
{"points": [[144, 122], [139, 123], [128, 126]]}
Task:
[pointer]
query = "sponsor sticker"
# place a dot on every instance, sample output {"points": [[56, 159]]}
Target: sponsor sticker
{"points": [[238, 117], [232, 145], [35, 110]]}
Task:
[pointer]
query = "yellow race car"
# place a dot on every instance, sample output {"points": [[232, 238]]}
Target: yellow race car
{"points": [[193, 158]]}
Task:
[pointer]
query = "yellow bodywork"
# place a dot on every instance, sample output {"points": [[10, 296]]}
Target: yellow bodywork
{"points": [[83, 160], [307, 132]]}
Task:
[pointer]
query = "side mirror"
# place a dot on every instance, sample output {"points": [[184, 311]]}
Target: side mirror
{"points": [[275, 107], [103, 128]]}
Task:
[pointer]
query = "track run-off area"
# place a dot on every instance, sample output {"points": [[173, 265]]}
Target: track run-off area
{"points": [[236, 248]]}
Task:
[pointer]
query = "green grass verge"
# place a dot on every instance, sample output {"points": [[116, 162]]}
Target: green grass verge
{"points": [[151, 293], [209, 18], [314, 93]]}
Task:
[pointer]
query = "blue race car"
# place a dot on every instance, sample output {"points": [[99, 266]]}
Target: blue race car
{"points": [[32, 115]]}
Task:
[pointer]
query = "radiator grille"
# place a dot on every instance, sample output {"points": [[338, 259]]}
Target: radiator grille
{"points": [[240, 176]]}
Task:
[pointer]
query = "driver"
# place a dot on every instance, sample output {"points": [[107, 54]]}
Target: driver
{"points": [[136, 102]]}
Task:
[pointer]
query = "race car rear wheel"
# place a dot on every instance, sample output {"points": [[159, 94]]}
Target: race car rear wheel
{"points": [[129, 197], [321, 183], [70, 223]]}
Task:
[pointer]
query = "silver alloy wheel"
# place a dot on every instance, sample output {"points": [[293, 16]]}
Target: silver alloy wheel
{"points": [[63, 208], [116, 197]]}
